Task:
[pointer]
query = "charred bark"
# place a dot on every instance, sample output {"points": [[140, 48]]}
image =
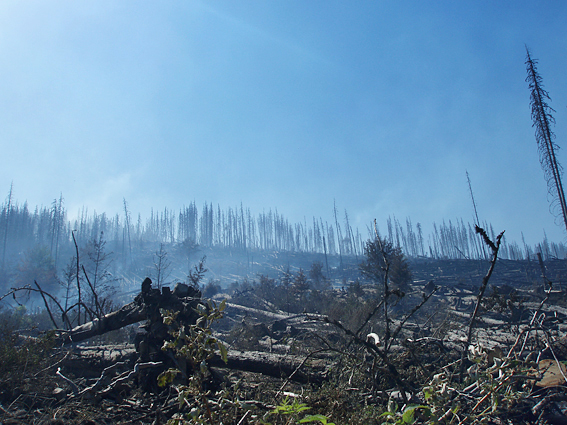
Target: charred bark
{"points": [[276, 365], [127, 315], [146, 306]]}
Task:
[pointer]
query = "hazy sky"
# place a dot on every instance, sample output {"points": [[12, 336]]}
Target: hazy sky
{"points": [[381, 105]]}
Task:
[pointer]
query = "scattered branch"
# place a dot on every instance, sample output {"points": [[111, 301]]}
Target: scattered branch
{"points": [[98, 310], [73, 386], [46, 304], [411, 313]]}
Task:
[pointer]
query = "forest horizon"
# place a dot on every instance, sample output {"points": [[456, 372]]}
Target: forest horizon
{"points": [[208, 225]]}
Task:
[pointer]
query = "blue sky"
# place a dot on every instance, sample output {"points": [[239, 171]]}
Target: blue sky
{"points": [[379, 105]]}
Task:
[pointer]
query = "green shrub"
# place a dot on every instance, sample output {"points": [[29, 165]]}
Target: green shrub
{"points": [[193, 345], [19, 353]]}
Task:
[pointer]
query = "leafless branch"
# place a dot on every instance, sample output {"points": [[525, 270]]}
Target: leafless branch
{"points": [[495, 247]]}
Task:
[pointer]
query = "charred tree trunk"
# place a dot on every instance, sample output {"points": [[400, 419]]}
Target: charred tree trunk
{"points": [[542, 118]]}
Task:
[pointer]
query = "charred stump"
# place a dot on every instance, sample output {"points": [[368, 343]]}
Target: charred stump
{"points": [[146, 306]]}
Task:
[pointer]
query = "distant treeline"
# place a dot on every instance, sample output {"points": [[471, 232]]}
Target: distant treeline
{"points": [[238, 228], [459, 240]]}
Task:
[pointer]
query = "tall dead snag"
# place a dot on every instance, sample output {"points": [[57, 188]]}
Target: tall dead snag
{"points": [[477, 221], [78, 280], [127, 230], [7, 220], [542, 120]]}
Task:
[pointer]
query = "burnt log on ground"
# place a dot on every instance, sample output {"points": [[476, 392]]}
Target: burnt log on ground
{"points": [[90, 361], [183, 299], [277, 365], [256, 313]]}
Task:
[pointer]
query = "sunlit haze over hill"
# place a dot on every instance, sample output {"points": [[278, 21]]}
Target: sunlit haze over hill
{"points": [[381, 107]]}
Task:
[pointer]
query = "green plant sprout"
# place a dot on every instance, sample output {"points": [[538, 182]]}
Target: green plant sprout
{"points": [[291, 412]]}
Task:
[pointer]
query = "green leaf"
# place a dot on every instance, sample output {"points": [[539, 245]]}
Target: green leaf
{"points": [[316, 418], [166, 377], [223, 352], [181, 398], [408, 416], [300, 407], [222, 305]]}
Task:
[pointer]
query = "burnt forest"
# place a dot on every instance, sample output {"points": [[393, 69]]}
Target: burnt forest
{"points": [[211, 315]]}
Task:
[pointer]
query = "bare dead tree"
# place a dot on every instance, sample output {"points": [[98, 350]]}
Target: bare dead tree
{"points": [[42, 293], [339, 234], [7, 219], [98, 309], [542, 121], [45, 296], [128, 219], [161, 265], [494, 246], [101, 283], [57, 213], [387, 293], [325, 248], [78, 280], [477, 222]]}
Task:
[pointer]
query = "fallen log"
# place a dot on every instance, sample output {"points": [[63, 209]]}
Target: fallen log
{"points": [[254, 312], [127, 315], [95, 358], [276, 365], [185, 300], [146, 306]]}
